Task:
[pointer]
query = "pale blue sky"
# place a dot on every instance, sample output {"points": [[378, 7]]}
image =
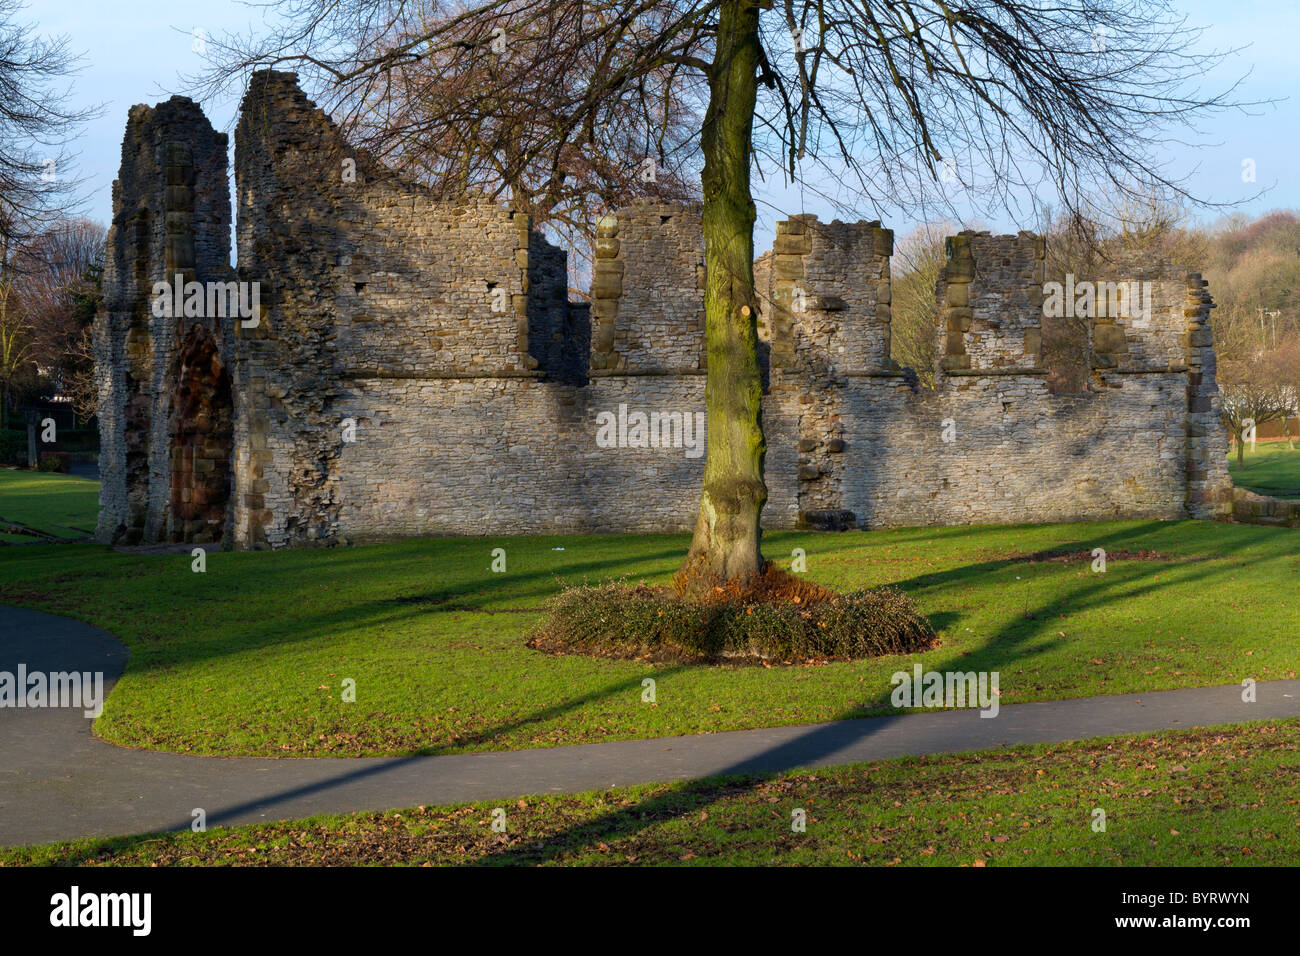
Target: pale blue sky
{"points": [[136, 51]]}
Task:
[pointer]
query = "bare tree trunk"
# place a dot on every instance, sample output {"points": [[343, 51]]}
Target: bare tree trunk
{"points": [[726, 546]]}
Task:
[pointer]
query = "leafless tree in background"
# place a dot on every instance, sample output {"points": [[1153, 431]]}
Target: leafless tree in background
{"points": [[1255, 389], [48, 295], [914, 272], [1254, 271], [56, 268], [37, 184]]}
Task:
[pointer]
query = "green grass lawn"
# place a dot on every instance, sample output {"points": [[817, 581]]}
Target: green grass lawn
{"points": [[249, 657], [58, 505], [1271, 469], [1207, 797]]}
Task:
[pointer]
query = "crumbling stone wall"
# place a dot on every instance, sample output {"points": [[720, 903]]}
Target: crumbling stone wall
{"points": [[171, 217], [828, 286], [990, 444], [371, 284], [416, 366], [1208, 484], [825, 299], [648, 290], [512, 456], [990, 291]]}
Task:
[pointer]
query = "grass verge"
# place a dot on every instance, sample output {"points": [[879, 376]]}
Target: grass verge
{"points": [[250, 656], [1207, 797], [1271, 469], [61, 506]]}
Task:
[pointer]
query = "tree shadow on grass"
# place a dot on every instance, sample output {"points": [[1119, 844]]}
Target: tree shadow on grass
{"points": [[1010, 643], [822, 742], [819, 743], [470, 596], [736, 779], [388, 764]]}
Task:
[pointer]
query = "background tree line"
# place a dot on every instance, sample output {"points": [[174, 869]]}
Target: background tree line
{"points": [[50, 257], [49, 292]]}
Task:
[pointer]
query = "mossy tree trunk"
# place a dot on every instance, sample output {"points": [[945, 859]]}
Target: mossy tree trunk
{"points": [[726, 546]]}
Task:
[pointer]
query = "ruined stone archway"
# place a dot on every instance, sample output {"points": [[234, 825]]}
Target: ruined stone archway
{"points": [[202, 433]]}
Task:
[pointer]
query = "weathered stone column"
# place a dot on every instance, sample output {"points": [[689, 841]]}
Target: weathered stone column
{"points": [[1209, 487], [955, 310], [171, 217], [606, 290]]}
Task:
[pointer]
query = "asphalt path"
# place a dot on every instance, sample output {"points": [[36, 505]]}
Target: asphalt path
{"points": [[58, 781]]}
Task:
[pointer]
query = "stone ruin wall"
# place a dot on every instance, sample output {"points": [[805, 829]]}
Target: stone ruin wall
{"points": [[648, 291], [442, 332], [171, 215]]}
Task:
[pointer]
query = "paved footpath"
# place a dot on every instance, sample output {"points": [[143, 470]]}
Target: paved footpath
{"points": [[58, 781]]}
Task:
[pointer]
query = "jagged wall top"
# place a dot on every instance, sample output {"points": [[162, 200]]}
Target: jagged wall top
{"points": [[171, 207], [387, 278]]}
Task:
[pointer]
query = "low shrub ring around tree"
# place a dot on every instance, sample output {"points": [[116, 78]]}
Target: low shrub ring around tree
{"points": [[777, 619]]}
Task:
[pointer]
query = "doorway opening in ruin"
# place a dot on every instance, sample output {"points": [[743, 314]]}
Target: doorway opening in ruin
{"points": [[202, 438]]}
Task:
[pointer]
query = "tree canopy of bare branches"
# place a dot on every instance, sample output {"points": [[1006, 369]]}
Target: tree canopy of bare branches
{"points": [[902, 103], [898, 103], [37, 184]]}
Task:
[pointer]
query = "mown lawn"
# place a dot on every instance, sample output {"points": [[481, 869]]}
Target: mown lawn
{"points": [[58, 505], [1271, 469], [1209, 797], [250, 656]]}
